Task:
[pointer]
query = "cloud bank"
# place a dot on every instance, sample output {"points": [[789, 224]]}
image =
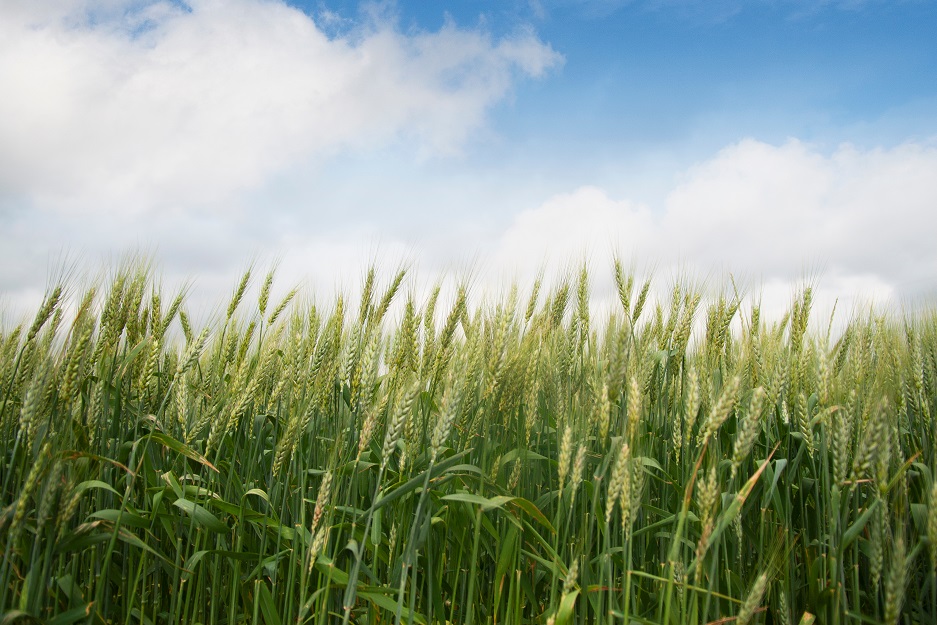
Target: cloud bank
{"points": [[141, 106], [860, 222]]}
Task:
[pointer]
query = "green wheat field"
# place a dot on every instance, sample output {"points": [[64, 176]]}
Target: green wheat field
{"points": [[459, 459]]}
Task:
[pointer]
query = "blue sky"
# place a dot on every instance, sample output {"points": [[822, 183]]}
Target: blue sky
{"points": [[638, 74], [774, 139]]}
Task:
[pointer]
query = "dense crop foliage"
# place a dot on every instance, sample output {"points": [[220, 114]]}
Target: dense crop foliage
{"points": [[508, 462]]}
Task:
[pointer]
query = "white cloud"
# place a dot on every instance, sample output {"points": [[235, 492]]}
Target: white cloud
{"points": [[570, 226], [859, 223], [151, 105]]}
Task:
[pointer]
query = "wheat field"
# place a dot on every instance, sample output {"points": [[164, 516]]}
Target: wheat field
{"points": [[454, 459]]}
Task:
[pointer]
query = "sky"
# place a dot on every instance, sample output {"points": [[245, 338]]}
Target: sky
{"points": [[770, 142]]}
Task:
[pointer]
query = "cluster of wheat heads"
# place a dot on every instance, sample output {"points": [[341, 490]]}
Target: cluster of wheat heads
{"points": [[435, 461]]}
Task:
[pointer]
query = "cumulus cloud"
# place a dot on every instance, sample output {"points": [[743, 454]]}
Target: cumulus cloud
{"points": [[856, 223], [136, 106], [860, 222], [568, 226]]}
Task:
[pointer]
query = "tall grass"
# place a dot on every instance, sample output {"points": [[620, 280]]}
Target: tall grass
{"points": [[512, 462]]}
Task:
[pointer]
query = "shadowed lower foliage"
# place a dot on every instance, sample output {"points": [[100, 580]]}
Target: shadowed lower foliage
{"points": [[683, 461]]}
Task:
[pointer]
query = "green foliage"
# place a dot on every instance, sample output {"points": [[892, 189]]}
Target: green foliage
{"points": [[491, 464]]}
